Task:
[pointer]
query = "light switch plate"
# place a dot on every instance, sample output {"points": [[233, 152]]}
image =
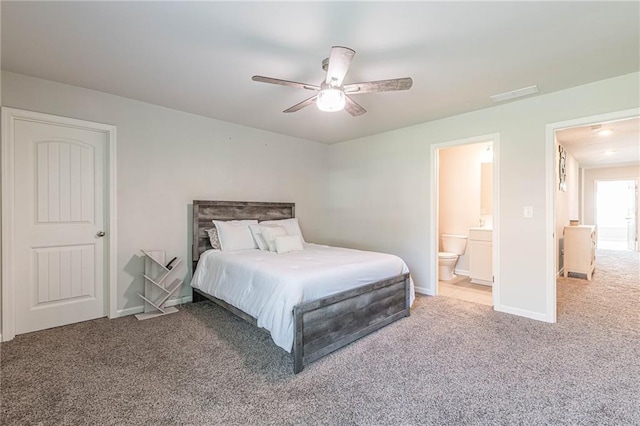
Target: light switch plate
{"points": [[527, 212]]}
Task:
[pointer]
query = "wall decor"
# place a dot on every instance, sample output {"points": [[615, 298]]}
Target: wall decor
{"points": [[562, 167]]}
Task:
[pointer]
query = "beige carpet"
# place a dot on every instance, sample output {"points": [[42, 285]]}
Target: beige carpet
{"points": [[611, 299], [450, 363]]}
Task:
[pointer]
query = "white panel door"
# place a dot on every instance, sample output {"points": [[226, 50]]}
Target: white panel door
{"points": [[59, 223]]}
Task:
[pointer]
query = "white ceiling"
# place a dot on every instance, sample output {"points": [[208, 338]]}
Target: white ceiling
{"points": [[591, 150], [199, 56]]}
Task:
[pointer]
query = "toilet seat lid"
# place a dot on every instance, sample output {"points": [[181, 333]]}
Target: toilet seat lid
{"points": [[447, 255]]}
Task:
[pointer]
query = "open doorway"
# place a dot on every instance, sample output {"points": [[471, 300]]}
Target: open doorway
{"points": [[465, 219], [600, 148], [616, 212]]}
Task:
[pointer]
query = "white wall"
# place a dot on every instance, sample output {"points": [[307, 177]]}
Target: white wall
{"points": [[370, 193], [459, 192], [379, 185], [168, 158], [0, 201], [605, 173], [567, 207]]}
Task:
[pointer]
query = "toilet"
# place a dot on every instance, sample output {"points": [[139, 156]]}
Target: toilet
{"points": [[454, 246]]}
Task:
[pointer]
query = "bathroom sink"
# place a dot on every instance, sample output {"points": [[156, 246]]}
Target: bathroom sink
{"points": [[480, 228], [480, 234]]}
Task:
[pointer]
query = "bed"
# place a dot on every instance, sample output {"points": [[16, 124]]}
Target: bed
{"points": [[314, 324]]}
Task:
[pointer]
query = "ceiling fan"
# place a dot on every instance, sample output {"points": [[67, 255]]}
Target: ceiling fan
{"points": [[332, 94]]}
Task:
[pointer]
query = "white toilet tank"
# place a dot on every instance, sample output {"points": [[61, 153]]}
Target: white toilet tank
{"points": [[456, 244]]}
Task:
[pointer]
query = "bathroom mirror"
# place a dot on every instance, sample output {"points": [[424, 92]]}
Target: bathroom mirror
{"points": [[486, 188]]}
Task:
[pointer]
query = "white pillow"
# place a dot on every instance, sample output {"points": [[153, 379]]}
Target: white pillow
{"points": [[270, 232], [235, 234], [288, 243], [291, 225], [213, 238], [257, 236]]}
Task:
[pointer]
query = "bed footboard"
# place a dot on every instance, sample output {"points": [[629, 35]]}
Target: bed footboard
{"points": [[325, 325]]}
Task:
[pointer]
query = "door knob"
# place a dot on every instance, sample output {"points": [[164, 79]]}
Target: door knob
{"points": [[100, 234]]}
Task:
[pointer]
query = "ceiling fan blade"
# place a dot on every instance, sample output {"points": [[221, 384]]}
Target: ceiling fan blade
{"points": [[284, 82], [339, 62], [353, 108], [379, 86], [302, 104]]}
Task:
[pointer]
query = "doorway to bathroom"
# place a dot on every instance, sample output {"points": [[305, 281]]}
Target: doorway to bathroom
{"points": [[464, 219]]}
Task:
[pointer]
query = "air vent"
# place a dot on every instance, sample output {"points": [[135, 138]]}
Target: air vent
{"points": [[518, 93]]}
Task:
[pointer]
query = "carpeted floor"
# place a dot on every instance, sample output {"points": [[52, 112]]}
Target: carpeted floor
{"points": [[450, 363]]}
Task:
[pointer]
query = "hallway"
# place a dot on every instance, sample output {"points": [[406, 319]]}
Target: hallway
{"points": [[613, 295]]}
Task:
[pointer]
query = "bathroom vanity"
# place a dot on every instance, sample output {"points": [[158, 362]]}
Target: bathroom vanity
{"points": [[579, 249], [480, 256]]}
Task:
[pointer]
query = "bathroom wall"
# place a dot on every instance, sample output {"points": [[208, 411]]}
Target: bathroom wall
{"points": [[567, 202], [459, 192]]}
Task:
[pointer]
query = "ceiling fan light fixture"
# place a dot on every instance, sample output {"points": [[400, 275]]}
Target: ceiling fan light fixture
{"points": [[331, 100], [331, 95]]}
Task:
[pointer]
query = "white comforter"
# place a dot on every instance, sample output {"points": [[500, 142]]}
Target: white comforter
{"points": [[267, 285]]}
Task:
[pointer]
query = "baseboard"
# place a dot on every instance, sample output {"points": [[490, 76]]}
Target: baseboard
{"points": [[180, 301], [129, 311], [522, 313], [423, 290], [560, 273], [461, 272], [139, 309]]}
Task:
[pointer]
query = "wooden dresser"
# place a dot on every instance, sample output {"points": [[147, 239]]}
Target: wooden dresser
{"points": [[579, 249]]}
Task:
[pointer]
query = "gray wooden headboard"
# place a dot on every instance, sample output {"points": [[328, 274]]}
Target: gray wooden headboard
{"points": [[205, 211]]}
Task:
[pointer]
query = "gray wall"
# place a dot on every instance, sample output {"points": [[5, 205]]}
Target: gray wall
{"points": [[0, 201], [380, 190], [370, 193], [167, 158]]}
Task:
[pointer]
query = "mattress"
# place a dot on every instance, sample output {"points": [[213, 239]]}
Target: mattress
{"points": [[268, 285]]}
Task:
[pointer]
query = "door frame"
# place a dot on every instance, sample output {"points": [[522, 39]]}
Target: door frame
{"points": [[432, 290], [7, 164], [551, 239]]}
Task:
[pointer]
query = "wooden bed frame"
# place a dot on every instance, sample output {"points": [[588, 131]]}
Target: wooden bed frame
{"points": [[321, 326]]}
